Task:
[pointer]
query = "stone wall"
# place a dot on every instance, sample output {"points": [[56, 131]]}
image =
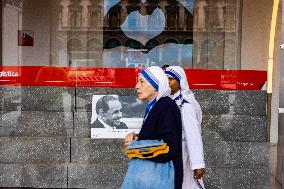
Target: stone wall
{"points": [[45, 139]]}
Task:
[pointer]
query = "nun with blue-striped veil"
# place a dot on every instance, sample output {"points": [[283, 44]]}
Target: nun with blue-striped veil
{"points": [[162, 122], [191, 116]]}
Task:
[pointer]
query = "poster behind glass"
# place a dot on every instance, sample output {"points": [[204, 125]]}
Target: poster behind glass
{"points": [[114, 116]]}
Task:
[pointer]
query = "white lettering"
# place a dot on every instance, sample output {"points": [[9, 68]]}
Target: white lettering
{"points": [[9, 74]]}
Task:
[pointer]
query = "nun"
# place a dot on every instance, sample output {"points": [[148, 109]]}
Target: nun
{"points": [[191, 116], [162, 121]]}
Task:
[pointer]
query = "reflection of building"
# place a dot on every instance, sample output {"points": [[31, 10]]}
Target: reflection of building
{"points": [[78, 31], [216, 38], [84, 31], [178, 29], [61, 32]]}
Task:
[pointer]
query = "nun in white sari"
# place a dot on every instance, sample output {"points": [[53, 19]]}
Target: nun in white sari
{"points": [[193, 155]]}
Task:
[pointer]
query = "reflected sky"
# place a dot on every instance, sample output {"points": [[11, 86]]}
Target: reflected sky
{"points": [[169, 53], [108, 4], [143, 28]]}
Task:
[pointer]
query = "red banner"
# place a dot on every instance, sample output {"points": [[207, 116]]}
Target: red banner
{"points": [[125, 77]]}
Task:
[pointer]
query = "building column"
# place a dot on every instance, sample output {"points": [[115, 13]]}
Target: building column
{"points": [[65, 13], [123, 13], [163, 8], [220, 13], [201, 17], [181, 18], [85, 12]]}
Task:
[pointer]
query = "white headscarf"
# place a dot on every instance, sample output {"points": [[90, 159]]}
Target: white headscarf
{"points": [[158, 79], [178, 74]]}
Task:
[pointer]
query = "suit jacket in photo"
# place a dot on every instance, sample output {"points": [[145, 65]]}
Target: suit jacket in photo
{"points": [[99, 124]]}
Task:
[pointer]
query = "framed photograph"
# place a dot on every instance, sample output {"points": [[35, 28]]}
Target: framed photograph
{"points": [[115, 116]]}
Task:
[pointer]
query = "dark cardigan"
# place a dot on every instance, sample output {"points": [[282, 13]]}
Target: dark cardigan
{"points": [[164, 122]]}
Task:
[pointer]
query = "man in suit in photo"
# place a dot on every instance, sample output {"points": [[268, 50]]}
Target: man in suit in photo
{"points": [[108, 109]]}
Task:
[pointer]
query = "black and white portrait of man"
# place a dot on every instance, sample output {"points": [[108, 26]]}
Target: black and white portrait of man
{"points": [[114, 116], [108, 110]]}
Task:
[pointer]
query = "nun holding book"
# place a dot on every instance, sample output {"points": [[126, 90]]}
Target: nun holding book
{"points": [[162, 125]]}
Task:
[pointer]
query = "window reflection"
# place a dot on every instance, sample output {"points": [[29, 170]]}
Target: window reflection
{"points": [[112, 43], [75, 14], [95, 16], [160, 30], [94, 44], [172, 16], [74, 44]]}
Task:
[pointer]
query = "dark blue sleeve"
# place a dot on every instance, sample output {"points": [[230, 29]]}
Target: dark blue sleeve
{"points": [[169, 129]]}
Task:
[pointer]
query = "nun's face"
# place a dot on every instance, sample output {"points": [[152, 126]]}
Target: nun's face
{"points": [[145, 91], [173, 85]]}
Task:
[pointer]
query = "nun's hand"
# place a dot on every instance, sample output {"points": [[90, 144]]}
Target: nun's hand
{"points": [[129, 138], [199, 173]]}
